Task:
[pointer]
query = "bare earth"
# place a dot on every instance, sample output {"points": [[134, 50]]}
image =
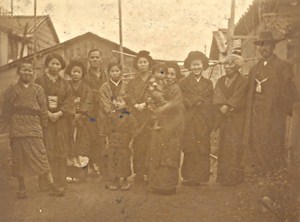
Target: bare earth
{"points": [[90, 201]]}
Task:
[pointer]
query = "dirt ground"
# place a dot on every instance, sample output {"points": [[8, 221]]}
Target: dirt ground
{"points": [[90, 201]]}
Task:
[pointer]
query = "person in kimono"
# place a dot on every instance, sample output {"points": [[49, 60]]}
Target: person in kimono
{"points": [[60, 107], [120, 129], [165, 150], [135, 91], [269, 101], [230, 101], [78, 158], [108, 92], [25, 111], [199, 120], [95, 78]]}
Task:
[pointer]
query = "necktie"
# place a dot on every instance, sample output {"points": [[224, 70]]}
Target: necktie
{"points": [[259, 87]]}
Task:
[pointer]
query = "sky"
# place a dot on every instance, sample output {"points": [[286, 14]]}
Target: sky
{"points": [[169, 29]]}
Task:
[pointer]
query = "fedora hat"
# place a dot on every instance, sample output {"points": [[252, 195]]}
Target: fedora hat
{"points": [[265, 37]]}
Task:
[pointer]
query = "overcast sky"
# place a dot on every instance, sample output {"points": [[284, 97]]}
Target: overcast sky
{"points": [[169, 29]]}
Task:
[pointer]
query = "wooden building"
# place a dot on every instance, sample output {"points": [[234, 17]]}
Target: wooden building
{"points": [[16, 36]]}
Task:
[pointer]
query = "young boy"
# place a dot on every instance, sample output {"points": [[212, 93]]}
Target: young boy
{"points": [[120, 129]]}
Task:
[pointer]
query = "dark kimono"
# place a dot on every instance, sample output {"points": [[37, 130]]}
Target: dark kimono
{"points": [[57, 133], [231, 127], [79, 129], [268, 105], [135, 92], [25, 111], [120, 128], [96, 133], [165, 150], [199, 122]]}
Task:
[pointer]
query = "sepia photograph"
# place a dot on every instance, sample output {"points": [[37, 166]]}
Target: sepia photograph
{"points": [[150, 111]]}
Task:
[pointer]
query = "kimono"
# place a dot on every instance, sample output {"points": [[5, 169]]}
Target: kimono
{"points": [[79, 128], [97, 142], [120, 128], [59, 98], [269, 101], [135, 92], [165, 150], [231, 127], [199, 122], [25, 110]]}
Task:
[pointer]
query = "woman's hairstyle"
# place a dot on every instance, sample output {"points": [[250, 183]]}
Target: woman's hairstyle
{"points": [[142, 54], [175, 66], [112, 64], [55, 56], [195, 55], [161, 67], [75, 63], [20, 65]]}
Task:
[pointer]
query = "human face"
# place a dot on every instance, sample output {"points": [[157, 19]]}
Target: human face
{"points": [[115, 73], [143, 65], [159, 74], [54, 66], [26, 73], [266, 49], [95, 59], [196, 67], [76, 73], [119, 104], [230, 68], [171, 76]]}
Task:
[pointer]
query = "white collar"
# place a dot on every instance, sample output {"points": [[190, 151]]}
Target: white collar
{"points": [[198, 78], [116, 83], [26, 85]]}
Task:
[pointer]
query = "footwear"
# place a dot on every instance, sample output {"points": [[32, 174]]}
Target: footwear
{"points": [[190, 183], [125, 186], [22, 194]]}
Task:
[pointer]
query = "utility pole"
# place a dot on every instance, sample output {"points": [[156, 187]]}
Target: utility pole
{"points": [[231, 27], [34, 37], [120, 34]]}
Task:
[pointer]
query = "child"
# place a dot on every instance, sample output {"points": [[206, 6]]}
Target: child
{"points": [[120, 128], [155, 93], [80, 141]]}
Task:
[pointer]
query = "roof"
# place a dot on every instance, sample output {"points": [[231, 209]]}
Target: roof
{"points": [[70, 41], [17, 24], [251, 18]]}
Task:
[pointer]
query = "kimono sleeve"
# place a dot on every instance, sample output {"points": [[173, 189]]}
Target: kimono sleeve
{"points": [[219, 97], [68, 106], [106, 99], [130, 93], [41, 98], [7, 104], [237, 100]]}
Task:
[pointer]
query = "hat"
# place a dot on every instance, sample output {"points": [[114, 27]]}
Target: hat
{"points": [[265, 37], [194, 55]]}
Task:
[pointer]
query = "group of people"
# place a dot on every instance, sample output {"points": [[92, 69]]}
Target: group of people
{"points": [[96, 120]]}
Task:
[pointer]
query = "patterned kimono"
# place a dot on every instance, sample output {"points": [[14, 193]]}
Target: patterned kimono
{"points": [[59, 97], [135, 91], [231, 127], [79, 129], [199, 122], [97, 142], [269, 101], [165, 151], [25, 110], [120, 128]]}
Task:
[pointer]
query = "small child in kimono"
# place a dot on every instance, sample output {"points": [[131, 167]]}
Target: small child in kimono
{"points": [[155, 93], [120, 129]]}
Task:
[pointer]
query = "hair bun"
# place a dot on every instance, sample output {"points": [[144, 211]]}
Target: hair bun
{"points": [[143, 53]]}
